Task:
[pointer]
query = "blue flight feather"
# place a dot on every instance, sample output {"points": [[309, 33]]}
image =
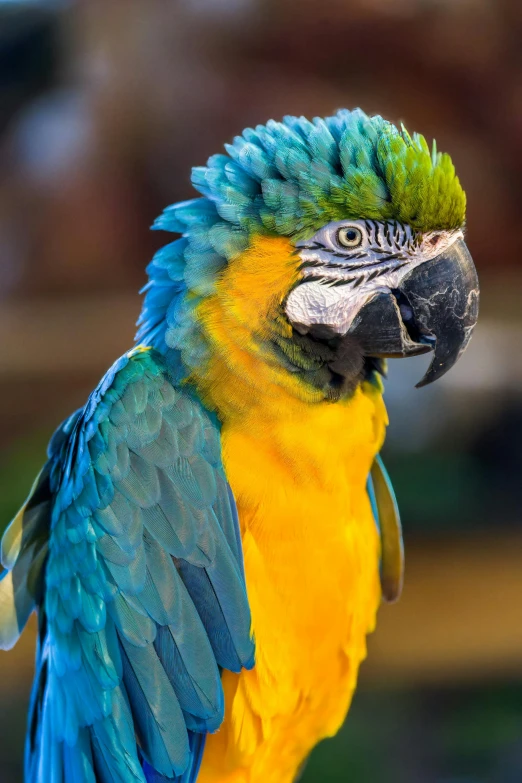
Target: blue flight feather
{"points": [[131, 641]]}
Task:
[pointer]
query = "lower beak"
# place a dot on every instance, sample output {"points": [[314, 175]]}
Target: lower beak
{"points": [[434, 308]]}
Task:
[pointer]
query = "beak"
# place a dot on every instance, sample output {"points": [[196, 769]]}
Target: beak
{"points": [[434, 308]]}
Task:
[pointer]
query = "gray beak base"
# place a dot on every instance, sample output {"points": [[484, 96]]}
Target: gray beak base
{"points": [[435, 308]]}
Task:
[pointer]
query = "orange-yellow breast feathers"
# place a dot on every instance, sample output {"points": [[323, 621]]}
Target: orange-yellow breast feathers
{"points": [[298, 469], [237, 320]]}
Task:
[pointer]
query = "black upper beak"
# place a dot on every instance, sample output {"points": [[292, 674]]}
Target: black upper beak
{"points": [[444, 296], [435, 308]]}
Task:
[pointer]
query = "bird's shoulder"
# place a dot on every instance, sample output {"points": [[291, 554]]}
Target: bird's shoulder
{"points": [[143, 600]]}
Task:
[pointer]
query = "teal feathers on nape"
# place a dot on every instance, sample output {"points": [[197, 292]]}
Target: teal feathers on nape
{"points": [[288, 178], [144, 600]]}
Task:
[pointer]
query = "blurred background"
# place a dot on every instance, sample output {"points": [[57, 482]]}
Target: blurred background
{"points": [[104, 107]]}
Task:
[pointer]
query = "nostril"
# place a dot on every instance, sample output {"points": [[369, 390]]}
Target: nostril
{"points": [[415, 329], [406, 312]]}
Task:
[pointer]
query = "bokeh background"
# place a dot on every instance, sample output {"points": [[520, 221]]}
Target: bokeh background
{"points": [[104, 106]]}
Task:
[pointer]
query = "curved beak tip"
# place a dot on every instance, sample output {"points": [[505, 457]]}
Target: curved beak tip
{"points": [[434, 308], [444, 293]]}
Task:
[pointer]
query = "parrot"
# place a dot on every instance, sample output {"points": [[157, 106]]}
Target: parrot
{"points": [[210, 539]]}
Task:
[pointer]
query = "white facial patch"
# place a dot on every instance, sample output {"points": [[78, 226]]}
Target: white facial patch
{"points": [[346, 263]]}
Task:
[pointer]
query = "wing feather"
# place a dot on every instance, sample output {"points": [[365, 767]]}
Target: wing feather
{"points": [[134, 527]]}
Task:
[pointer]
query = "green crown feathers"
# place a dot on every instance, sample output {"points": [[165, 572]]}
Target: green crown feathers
{"points": [[294, 176]]}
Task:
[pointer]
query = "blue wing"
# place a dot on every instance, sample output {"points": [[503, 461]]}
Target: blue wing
{"points": [[386, 514], [139, 585]]}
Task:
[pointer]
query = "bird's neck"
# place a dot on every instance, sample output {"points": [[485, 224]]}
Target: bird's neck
{"points": [[257, 365]]}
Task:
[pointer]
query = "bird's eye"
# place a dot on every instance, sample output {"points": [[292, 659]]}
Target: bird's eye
{"points": [[349, 236]]}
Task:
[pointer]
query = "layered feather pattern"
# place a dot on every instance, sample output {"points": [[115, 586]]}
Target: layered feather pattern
{"points": [[288, 178], [145, 598]]}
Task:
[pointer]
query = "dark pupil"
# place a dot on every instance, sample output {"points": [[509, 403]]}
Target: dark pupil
{"points": [[351, 235]]}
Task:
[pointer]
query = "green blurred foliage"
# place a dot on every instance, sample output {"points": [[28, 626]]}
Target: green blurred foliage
{"points": [[19, 467], [430, 483], [426, 735]]}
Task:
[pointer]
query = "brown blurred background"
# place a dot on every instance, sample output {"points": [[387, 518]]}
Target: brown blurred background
{"points": [[104, 107]]}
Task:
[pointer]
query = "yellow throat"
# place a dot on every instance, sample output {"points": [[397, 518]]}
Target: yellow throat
{"points": [[298, 467]]}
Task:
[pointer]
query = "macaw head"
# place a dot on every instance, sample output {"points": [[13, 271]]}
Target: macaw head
{"points": [[326, 245]]}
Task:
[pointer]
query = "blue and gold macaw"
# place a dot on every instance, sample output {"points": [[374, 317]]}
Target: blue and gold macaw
{"points": [[209, 540]]}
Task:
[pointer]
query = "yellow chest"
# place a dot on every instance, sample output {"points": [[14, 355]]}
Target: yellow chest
{"points": [[298, 467], [311, 554]]}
